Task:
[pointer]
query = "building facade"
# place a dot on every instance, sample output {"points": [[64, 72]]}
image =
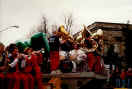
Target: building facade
{"points": [[113, 38]]}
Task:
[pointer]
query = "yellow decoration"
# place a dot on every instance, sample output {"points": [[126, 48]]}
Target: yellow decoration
{"points": [[56, 83], [62, 29]]}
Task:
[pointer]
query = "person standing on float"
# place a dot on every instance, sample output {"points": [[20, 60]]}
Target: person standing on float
{"points": [[33, 65], [90, 46], [54, 52]]}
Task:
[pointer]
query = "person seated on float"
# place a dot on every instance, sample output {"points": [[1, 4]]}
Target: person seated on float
{"points": [[77, 56], [14, 74]]}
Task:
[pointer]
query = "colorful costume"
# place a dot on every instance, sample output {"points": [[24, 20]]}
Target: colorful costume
{"points": [[91, 46], [54, 52], [32, 65], [14, 75]]}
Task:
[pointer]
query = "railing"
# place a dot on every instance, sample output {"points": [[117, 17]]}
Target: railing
{"points": [[81, 75]]}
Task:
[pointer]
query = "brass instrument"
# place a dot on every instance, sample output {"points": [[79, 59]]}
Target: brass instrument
{"points": [[79, 38], [64, 34], [93, 48], [83, 35], [86, 31], [97, 34], [99, 37], [87, 34], [62, 29]]}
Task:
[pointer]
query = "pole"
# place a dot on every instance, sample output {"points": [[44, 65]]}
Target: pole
{"points": [[15, 26]]}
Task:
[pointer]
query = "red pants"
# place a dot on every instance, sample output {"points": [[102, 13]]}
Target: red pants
{"points": [[98, 68], [2, 77], [54, 58], [11, 80], [91, 61], [30, 80], [14, 80], [38, 77]]}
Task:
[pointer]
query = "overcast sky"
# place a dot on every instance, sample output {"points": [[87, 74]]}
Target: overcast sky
{"points": [[27, 14]]}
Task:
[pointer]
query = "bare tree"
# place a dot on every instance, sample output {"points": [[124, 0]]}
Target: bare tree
{"points": [[68, 22], [43, 27]]}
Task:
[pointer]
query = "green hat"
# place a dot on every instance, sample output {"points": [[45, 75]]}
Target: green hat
{"points": [[39, 41], [21, 46]]}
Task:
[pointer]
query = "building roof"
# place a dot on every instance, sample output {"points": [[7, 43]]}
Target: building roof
{"points": [[109, 26]]}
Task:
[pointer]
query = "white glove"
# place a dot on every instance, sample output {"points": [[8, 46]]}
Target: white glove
{"points": [[13, 63]]}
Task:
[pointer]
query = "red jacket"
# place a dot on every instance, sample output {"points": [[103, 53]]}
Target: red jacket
{"points": [[123, 75], [129, 74], [31, 62]]}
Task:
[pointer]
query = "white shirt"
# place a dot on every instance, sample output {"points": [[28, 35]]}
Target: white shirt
{"points": [[62, 53], [80, 55]]}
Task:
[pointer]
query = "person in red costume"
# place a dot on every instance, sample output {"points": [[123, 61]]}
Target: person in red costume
{"points": [[123, 77], [98, 64], [14, 75], [90, 47], [25, 68], [54, 52], [98, 37], [3, 65], [129, 77], [33, 66]]}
